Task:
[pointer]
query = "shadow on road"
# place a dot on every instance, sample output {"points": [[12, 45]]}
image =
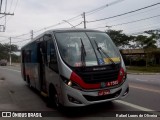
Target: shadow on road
{"points": [[95, 110], [88, 111]]}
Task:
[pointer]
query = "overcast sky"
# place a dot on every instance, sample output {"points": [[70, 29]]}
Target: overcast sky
{"points": [[38, 14]]}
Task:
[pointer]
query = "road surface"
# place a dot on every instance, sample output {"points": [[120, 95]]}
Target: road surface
{"points": [[15, 95]]}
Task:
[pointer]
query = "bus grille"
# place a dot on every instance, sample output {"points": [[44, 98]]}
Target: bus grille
{"points": [[99, 76]]}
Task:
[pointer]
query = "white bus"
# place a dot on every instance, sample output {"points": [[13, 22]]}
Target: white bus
{"points": [[75, 67]]}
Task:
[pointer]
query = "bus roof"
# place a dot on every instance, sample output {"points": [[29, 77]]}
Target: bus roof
{"points": [[61, 30]]}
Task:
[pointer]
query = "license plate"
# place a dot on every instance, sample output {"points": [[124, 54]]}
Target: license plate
{"points": [[112, 83], [103, 92]]}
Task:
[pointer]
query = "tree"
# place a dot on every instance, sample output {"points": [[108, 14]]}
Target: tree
{"points": [[119, 38], [146, 42], [5, 51]]}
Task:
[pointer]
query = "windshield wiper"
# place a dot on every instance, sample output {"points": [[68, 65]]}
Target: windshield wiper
{"points": [[83, 54], [99, 49]]}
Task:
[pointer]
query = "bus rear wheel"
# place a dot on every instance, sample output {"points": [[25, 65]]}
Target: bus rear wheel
{"points": [[28, 81]]}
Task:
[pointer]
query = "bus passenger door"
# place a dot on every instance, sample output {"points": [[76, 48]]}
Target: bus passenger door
{"points": [[23, 65], [42, 56]]}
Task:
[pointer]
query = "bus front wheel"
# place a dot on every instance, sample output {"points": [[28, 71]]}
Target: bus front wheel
{"points": [[54, 99]]}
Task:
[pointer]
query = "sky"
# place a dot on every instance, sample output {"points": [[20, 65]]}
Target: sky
{"points": [[40, 14]]}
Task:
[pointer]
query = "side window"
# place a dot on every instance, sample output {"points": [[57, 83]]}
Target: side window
{"points": [[28, 56], [51, 55], [43, 50], [53, 58], [23, 56]]}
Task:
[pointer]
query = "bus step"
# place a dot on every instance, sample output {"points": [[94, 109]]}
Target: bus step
{"points": [[44, 94]]}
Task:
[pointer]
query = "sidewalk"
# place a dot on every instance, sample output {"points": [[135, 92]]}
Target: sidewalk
{"points": [[6, 100], [15, 64]]}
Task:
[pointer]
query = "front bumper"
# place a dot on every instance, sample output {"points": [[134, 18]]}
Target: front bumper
{"points": [[84, 98]]}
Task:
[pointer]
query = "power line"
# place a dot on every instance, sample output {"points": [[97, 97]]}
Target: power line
{"points": [[135, 21], [68, 23], [78, 24], [135, 14], [102, 7], [2, 16], [124, 13], [70, 19], [74, 18], [21, 35], [22, 40], [79, 16], [3, 40], [144, 28], [94, 10], [14, 37], [4, 36]]}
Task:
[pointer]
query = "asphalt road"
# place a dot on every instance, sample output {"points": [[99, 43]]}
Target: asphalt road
{"points": [[15, 95]]}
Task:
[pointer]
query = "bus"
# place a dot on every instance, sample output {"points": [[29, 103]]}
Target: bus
{"points": [[74, 67]]}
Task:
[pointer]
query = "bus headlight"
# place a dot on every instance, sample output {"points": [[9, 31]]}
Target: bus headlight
{"points": [[71, 83]]}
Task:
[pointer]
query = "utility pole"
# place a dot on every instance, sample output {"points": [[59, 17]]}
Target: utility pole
{"points": [[157, 37], [0, 6], [10, 57], [31, 34], [5, 14], [84, 17]]}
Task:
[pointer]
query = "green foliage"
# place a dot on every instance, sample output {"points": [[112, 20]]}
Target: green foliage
{"points": [[5, 51], [119, 38], [146, 42], [140, 41]]}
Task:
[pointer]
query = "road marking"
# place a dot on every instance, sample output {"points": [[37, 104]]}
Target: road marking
{"points": [[144, 79], [140, 79], [137, 107], [10, 69], [146, 89], [133, 105]]}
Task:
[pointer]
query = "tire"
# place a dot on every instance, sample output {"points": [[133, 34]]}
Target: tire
{"points": [[53, 100], [56, 100], [28, 81]]}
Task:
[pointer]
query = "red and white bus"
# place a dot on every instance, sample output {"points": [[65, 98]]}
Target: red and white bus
{"points": [[75, 67]]}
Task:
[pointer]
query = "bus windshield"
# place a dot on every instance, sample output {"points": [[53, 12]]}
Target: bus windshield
{"points": [[79, 49]]}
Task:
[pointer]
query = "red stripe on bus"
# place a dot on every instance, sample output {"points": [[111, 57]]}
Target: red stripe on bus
{"points": [[77, 79]]}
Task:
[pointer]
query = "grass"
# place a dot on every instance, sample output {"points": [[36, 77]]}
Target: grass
{"points": [[144, 69]]}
